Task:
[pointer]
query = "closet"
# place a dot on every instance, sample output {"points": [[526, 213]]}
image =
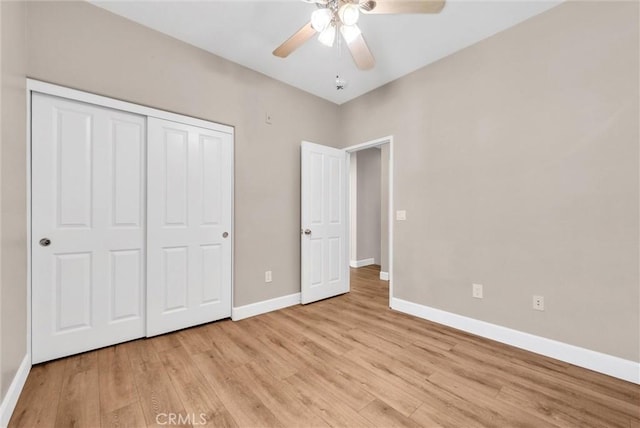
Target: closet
{"points": [[131, 221]]}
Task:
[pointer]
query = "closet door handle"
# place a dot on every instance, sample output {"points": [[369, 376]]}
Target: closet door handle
{"points": [[225, 234], [45, 242]]}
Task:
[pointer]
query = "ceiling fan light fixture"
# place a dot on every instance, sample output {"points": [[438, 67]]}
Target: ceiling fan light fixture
{"points": [[350, 32], [321, 19], [328, 36], [349, 13]]}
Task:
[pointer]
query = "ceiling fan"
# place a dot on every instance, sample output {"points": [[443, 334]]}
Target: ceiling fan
{"points": [[341, 16]]}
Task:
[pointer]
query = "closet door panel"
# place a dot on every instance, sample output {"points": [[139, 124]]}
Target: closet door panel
{"points": [[175, 279], [212, 274], [212, 193], [126, 276], [189, 226], [175, 156], [128, 175], [87, 227]]}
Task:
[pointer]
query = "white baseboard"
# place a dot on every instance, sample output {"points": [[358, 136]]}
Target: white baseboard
{"points": [[253, 309], [384, 276], [592, 360], [10, 400], [362, 263]]}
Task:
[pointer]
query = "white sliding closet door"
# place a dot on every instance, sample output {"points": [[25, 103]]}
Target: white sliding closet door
{"points": [[88, 214], [189, 209]]}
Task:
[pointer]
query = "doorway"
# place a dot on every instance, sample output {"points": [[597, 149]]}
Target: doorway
{"points": [[380, 151]]}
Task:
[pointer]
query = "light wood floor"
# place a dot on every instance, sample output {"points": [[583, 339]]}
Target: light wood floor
{"points": [[346, 361]]}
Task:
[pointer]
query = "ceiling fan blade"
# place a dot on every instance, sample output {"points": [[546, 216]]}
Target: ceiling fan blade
{"points": [[401, 6], [361, 54], [295, 41]]}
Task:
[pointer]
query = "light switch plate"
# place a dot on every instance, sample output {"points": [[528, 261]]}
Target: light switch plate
{"points": [[477, 291], [401, 215]]}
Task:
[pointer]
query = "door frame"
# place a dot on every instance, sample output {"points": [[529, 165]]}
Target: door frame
{"points": [[367, 145], [112, 103]]}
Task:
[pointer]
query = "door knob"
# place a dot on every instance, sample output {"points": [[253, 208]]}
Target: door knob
{"points": [[225, 234], [45, 242], [307, 231]]}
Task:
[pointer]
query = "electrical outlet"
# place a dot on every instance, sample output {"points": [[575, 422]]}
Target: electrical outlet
{"points": [[267, 276], [401, 215], [538, 303], [477, 291]]}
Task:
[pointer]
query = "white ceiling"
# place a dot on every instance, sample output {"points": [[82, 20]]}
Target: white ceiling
{"points": [[246, 32]]}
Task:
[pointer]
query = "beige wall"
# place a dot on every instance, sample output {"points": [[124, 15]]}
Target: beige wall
{"points": [[517, 162], [13, 292], [368, 196], [85, 47]]}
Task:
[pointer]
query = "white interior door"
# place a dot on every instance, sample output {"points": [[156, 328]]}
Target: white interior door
{"points": [[324, 262], [88, 218], [189, 225]]}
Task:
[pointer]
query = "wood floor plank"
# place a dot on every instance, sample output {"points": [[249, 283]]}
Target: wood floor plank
{"points": [[117, 388], [348, 361], [196, 339], [498, 372], [224, 346], [353, 394], [238, 398], [381, 414], [280, 345], [318, 313], [200, 401], [404, 365], [518, 375], [495, 412], [423, 419], [165, 341], [241, 334], [370, 341], [556, 412], [156, 393], [451, 409], [329, 407], [80, 403], [290, 338], [278, 396], [320, 335], [38, 403], [313, 368], [596, 383], [128, 416], [382, 384], [429, 415]]}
